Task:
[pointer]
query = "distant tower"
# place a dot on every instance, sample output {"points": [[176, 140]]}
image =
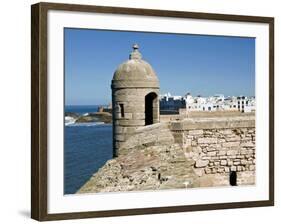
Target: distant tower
{"points": [[135, 103]]}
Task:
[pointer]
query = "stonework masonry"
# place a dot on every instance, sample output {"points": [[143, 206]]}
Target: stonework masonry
{"points": [[132, 101], [135, 91], [201, 152], [220, 150]]}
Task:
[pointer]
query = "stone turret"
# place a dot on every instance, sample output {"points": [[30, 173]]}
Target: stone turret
{"points": [[135, 103]]}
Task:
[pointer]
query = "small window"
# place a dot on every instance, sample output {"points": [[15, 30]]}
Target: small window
{"points": [[233, 178], [122, 110]]}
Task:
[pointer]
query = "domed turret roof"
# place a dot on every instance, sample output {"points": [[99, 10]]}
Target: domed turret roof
{"points": [[135, 72]]}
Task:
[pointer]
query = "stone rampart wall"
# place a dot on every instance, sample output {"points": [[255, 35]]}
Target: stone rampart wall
{"points": [[219, 146], [155, 134], [216, 145]]}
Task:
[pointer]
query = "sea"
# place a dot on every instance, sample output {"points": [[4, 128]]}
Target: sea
{"points": [[87, 147]]}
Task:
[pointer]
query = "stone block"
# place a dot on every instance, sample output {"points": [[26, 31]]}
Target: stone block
{"points": [[229, 162], [128, 115], [223, 162], [233, 139], [247, 144], [221, 153], [252, 167], [212, 153], [195, 132], [210, 149], [226, 169], [236, 163], [243, 151], [239, 168], [225, 131], [231, 152], [209, 132], [233, 168], [221, 140], [201, 163], [207, 140], [230, 144]]}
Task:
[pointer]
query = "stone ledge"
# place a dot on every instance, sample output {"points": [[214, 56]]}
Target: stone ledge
{"points": [[213, 123]]}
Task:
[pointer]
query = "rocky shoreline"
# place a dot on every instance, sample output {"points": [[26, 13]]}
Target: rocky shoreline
{"points": [[104, 117]]}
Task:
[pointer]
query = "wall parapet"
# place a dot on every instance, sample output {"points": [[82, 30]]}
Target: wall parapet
{"points": [[213, 123], [155, 134]]}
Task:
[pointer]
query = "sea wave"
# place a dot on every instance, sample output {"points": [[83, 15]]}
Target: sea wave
{"points": [[86, 124], [69, 120]]}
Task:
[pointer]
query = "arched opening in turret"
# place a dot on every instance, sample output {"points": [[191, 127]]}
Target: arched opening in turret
{"points": [[151, 108]]}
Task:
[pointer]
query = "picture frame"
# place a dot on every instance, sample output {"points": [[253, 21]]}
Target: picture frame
{"points": [[40, 110]]}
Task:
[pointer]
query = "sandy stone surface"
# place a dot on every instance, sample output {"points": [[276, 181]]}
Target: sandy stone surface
{"points": [[151, 168]]}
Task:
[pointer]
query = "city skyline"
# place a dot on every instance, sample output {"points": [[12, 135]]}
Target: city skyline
{"points": [[204, 65]]}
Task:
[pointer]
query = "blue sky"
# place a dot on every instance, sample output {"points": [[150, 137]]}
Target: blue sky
{"points": [[198, 64]]}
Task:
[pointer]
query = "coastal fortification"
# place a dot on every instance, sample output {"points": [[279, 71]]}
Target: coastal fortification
{"points": [[178, 152], [135, 91], [201, 152]]}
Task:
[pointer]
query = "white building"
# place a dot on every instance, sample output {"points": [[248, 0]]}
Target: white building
{"points": [[218, 102]]}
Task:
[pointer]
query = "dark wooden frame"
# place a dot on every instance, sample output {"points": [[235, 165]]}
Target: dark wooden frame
{"points": [[39, 110]]}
